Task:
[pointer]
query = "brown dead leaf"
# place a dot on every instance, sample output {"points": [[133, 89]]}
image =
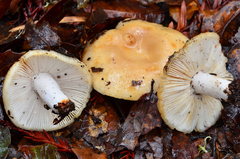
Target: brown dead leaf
{"points": [[129, 9], [99, 125], [233, 66], [56, 13], [174, 11], [4, 5], [82, 151], [218, 20], [14, 6], [182, 147], [7, 37], [233, 138], [177, 2], [142, 118], [41, 36], [6, 60], [9, 57]]}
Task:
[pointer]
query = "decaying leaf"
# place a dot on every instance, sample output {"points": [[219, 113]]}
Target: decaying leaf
{"points": [[182, 147], [175, 10], [41, 36], [56, 13], [231, 117], [177, 2], [233, 138], [233, 67], [99, 125], [129, 9], [142, 118], [6, 36], [14, 153], [6, 60], [5, 140], [234, 40], [218, 20], [82, 3], [9, 57], [82, 151], [4, 5], [40, 151], [152, 142], [98, 132]]}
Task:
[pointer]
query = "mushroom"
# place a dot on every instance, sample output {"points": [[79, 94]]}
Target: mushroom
{"points": [[123, 61], [195, 81], [43, 86]]}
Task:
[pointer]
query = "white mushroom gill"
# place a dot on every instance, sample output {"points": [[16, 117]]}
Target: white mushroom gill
{"points": [[195, 80], [26, 108]]}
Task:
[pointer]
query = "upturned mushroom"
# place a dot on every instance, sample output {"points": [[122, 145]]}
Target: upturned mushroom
{"points": [[195, 81], [123, 61], [46, 90]]}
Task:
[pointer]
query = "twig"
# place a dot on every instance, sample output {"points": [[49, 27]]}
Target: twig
{"points": [[67, 19]]}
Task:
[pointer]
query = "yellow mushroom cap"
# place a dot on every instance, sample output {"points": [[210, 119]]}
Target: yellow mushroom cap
{"points": [[123, 61]]}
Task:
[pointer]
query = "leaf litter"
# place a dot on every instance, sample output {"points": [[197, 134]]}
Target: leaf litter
{"points": [[103, 131]]}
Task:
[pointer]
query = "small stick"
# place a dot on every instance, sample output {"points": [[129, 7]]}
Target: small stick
{"points": [[67, 19]]}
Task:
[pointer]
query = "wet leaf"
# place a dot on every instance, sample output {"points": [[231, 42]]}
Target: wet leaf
{"points": [[174, 11], [82, 151], [233, 67], [5, 140], [152, 142], [6, 36], [231, 117], [15, 6], [82, 3], [4, 5], [9, 57], [56, 13], [6, 60], [142, 118], [234, 40], [222, 145], [233, 138], [218, 21], [167, 135], [13, 152], [182, 147], [177, 2], [99, 125], [129, 9], [41, 36], [40, 152], [99, 16]]}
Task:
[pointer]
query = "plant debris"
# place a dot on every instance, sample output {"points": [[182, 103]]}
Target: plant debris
{"points": [[108, 127]]}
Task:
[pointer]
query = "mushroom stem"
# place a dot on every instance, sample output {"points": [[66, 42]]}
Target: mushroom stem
{"points": [[50, 92], [211, 85]]}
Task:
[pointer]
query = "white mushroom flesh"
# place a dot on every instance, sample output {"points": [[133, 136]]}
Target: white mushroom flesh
{"points": [[49, 90], [211, 85]]}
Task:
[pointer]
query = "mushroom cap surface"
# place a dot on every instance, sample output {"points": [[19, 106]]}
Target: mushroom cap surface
{"points": [[24, 106], [179, 106], [123, 61]]}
